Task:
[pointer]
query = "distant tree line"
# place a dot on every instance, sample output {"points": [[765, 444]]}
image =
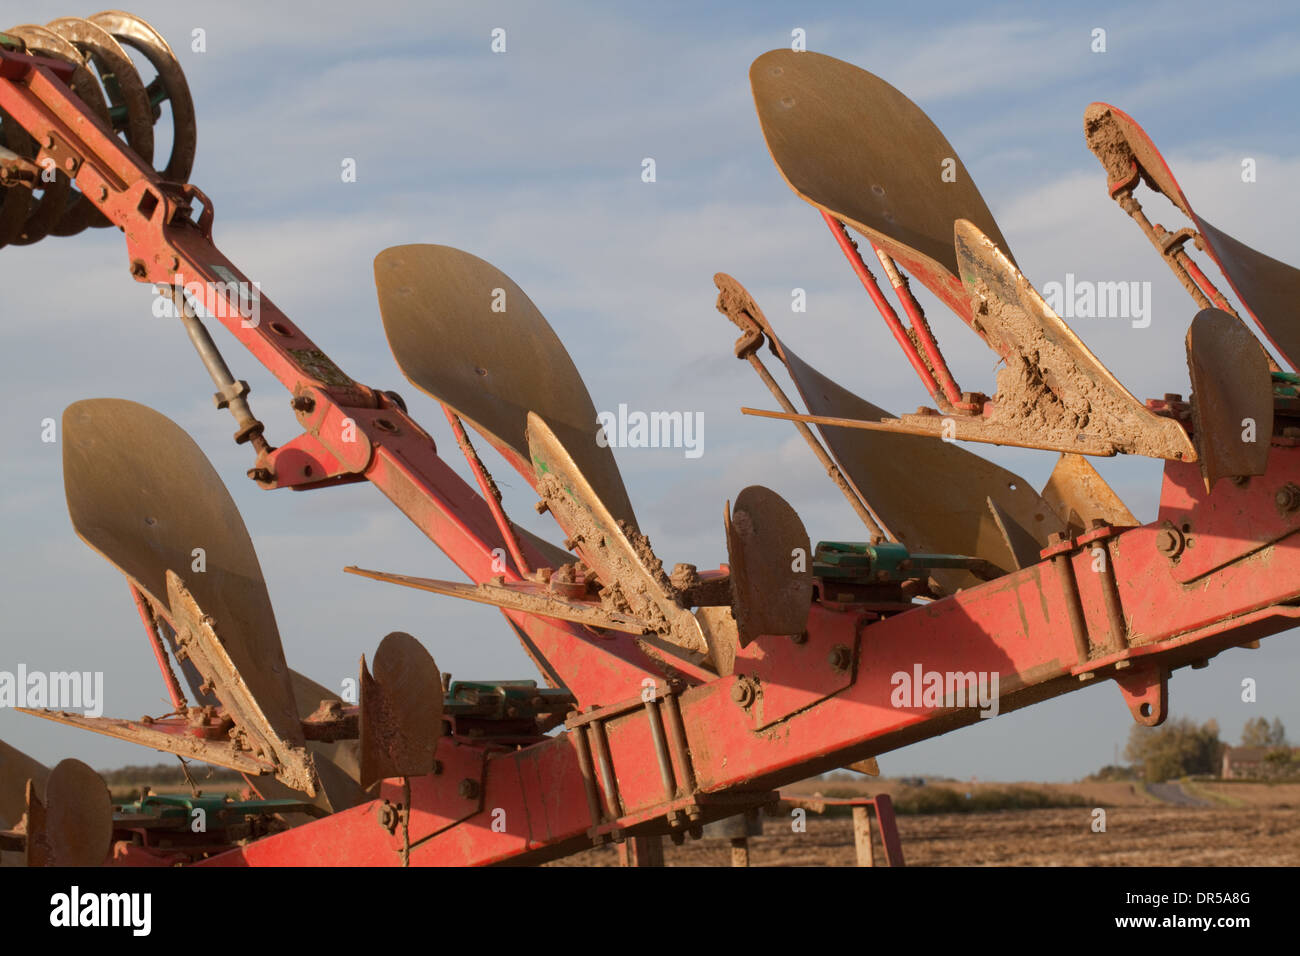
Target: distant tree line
{"points": [[166, 774], [1179, 748]]}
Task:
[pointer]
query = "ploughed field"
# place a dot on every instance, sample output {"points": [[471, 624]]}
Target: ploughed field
{"points": [[1238, 824]]}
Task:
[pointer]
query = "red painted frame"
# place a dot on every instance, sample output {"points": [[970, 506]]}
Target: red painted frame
{"points": [[688, 750]]}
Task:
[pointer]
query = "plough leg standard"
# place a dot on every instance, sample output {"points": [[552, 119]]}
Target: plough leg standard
{"points": [[679, 697]]}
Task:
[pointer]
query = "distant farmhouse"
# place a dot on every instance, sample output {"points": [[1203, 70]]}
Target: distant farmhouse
{"points": [[1258, 763]]}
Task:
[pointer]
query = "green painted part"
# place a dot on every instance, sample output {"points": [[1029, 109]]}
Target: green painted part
{"points": [[1286, 384], [12, 43], [491, 698], [860, 559], [179, 808]]}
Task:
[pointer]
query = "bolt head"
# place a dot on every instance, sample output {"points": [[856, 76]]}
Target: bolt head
{"points": [[1169, 541], [742, 692]]}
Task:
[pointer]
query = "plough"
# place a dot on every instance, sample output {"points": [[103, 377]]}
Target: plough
{"points": [[671, 698]]}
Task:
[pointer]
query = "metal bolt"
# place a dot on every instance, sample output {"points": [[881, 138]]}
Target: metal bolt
{"points": [[840, 657], [1287, 498], [261, 474], [742, 691], [468, 788], [800, 638], [387, 816], [302, 403], [1169, 542]]}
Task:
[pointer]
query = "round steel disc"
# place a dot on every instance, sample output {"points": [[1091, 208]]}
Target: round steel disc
{"points": [[78, 815]]}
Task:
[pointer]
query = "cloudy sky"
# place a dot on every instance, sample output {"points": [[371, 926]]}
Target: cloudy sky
{"points": [[532, 159]]}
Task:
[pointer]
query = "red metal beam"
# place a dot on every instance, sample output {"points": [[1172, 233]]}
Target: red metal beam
{"points": [[1017, 627]]}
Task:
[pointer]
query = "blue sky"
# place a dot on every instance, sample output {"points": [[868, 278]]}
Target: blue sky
{"points": [[532, 160]]}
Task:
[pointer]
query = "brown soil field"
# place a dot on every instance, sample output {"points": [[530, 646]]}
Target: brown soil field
{"points": [[1108, 794], [1263, 829]]}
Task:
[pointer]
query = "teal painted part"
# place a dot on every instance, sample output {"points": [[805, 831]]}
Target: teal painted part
{"points": [[886, 561], [180, 807]]}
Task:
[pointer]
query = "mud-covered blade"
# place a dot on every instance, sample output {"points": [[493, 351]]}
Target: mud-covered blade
{"points": [[527, 596], [1054, 393], [338, 763], [1232, 396], [73, 825], [464, 333], [633, 578], [771, 567], [852, 145], [203, 641], [142, 494], [169, 737], [401, 710], [1079, 494], [16, 768], [1267, 287], [930, 495]]}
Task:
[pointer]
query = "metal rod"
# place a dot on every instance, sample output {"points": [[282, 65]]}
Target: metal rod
{"points": [[490, 491], [1073, 608], [900, 427], [677, 739], [1198, 285], [663, 758], [1203, 281], [609, 782], [230, 393], [1110, 594], [886, 310], [857, 504], [159, 652], [916, 316], [1131, 206], [588, 771]]}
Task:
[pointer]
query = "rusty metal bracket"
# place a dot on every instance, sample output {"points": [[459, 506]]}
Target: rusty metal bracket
{"points": [[1146, 692]]}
